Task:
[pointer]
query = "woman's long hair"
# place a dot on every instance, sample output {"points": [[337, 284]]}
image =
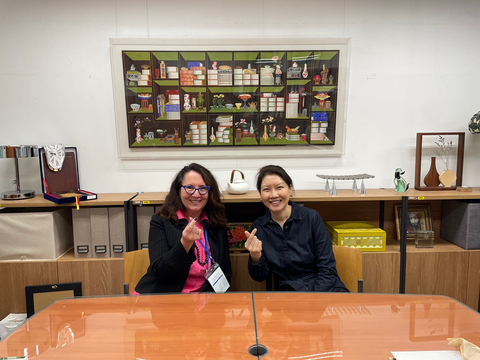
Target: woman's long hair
{"points": [[214, 208]]}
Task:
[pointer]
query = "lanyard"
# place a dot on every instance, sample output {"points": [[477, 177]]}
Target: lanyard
{"points": [[206, 247]]}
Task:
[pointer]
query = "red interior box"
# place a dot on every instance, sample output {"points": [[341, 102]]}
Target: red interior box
{"points": [[63, 186]]}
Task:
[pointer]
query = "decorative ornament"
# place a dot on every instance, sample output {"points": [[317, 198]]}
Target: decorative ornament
{"points": [[474, 124], [55, 155]]}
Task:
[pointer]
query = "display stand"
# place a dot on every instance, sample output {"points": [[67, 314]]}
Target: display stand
{"points": [[418, 161], [15, 152]]}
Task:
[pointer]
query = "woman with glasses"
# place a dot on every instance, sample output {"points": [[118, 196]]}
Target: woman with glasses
{"points": [[290, 241], [188, 238]]}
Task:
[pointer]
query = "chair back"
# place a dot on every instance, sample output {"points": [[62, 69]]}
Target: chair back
{"points": [[349, 267], [135, 265]]}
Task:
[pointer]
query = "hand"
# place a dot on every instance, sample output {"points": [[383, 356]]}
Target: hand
{"points": [[254, 246], [190, 234]]}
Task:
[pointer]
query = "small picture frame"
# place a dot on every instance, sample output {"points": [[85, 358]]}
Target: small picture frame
{"points": [[39, 297], [419, 218]]}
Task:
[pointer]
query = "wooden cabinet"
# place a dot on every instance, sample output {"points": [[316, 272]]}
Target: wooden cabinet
{"points": [[98, 276], [444, 270], [473, 283], [15, 275], [241, 280]]}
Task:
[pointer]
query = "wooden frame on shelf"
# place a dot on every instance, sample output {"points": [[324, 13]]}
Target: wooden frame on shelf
{"points": [[418, 160], [420, 213]]}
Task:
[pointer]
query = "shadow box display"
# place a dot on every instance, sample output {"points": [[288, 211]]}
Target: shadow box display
{"points": [[233, 98]]}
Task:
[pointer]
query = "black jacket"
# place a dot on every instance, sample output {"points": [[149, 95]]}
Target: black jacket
{"points": [[303, 259], [170, 263]]}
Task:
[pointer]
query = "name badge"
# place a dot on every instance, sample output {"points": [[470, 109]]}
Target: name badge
{"points": [[217, 279]]}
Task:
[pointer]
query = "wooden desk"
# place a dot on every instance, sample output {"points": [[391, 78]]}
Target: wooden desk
{"points": [[223, 326]]}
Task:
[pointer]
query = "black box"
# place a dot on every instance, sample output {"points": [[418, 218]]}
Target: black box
{"points": [[63, 186]]}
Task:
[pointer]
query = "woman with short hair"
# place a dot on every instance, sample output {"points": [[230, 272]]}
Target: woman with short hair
{"points": [[290, 241]]}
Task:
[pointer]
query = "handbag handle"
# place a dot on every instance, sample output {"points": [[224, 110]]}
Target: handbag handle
{"points": [[233, 175]]}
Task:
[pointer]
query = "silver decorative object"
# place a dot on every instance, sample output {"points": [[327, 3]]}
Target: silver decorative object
{"points": [[16, 152], [346, 177]]}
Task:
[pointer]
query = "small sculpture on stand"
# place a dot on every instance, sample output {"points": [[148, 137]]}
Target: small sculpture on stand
{"points": [[400, 183], [355, 177]]}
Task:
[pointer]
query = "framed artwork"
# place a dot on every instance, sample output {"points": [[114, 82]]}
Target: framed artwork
{"points": [[39, 297], [236, 236], [227, 99], [430, 321], [419, 218]]}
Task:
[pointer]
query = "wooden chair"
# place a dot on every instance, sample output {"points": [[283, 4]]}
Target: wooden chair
{"points": [[349, 267], [135, 266]]}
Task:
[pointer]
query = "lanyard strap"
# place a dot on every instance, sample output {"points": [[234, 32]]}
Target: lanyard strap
{"points": [[206, 247]]}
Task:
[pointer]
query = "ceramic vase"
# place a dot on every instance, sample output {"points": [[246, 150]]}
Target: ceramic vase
{"points": [[265, 135], [431, 179]]}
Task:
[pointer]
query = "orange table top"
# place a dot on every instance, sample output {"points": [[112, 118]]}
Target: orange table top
{"points": [[224, 326]]}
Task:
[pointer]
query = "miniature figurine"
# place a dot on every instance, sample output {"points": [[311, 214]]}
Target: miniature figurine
{"points": [[214, 65], [176, 136], [265, 135], [305, 72], [163, 73], [138, 137], [186, 102], [317, 79], [161, 132], [294, 130], [324, 74], [212, 137], [200, 101], [278, 75], [400, 183], [330, 80]]}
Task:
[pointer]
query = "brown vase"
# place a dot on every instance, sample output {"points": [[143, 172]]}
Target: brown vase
{"points": [[431, 179]]}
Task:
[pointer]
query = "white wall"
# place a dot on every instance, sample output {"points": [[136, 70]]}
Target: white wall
{"points": [[414, 67]]}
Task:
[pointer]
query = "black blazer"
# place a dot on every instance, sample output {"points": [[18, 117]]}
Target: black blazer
{"points": [[170, 263]]}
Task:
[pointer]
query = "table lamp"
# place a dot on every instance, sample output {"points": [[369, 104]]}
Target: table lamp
{"points": [[16, 152]]}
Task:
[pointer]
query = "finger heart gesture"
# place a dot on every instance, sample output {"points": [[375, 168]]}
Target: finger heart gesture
{"points": [[253, 245], [191, 232]]}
